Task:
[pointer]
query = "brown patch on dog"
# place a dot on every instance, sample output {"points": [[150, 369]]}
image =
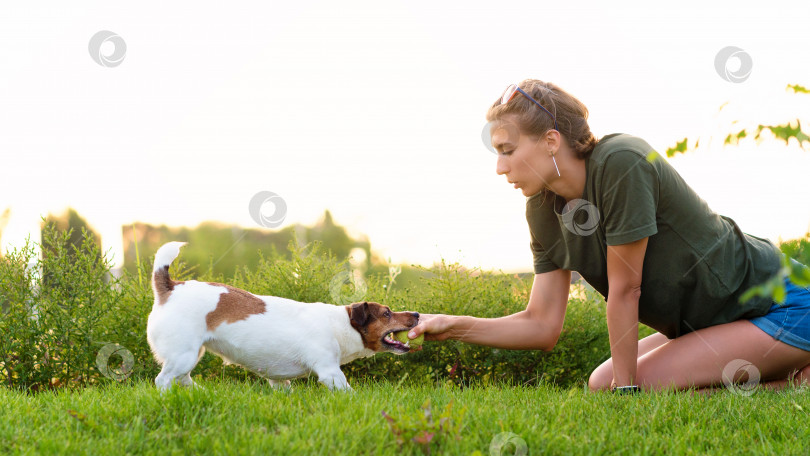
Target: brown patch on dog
{"points": [[373, 321], [163, 285], [234, 305]]}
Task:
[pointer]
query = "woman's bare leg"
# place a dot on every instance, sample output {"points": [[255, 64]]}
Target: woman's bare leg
{"points": [[698, 359], [798, 378]]}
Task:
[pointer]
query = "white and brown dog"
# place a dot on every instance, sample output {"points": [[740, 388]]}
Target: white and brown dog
{"points": [[274, 337]]}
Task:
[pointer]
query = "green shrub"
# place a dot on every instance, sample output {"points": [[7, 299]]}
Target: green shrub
{"points": [[798, 249], [451, 289], [56, 325], [53, 325], [20, 359]]}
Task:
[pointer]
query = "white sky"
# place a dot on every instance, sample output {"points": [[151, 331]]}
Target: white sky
{"points": [[374, 110]]}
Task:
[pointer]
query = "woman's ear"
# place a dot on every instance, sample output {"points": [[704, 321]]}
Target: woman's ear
{"points": [[553, 139]]}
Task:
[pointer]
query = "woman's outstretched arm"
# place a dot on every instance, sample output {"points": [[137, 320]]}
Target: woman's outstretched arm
{"points": [[536, 328]]}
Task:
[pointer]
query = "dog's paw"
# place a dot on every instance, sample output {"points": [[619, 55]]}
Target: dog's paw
{"points": [[280, 385]]}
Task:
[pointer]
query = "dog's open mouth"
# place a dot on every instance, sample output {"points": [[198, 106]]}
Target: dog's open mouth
{"points": [[390, 342]]}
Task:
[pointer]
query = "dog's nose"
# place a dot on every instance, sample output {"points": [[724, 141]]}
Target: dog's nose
{"points": [[415, 314]]}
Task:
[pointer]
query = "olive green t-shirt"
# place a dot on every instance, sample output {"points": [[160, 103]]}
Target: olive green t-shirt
{"points": [[697, 262]]}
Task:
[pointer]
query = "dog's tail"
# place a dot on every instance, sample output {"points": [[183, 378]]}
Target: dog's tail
{"points": [[162, 284]]}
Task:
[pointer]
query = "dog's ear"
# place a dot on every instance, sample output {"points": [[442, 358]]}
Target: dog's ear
{"points": [[359, 314]]}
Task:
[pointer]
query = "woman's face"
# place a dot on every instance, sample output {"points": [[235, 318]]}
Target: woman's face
{"points": [[524, 160]]}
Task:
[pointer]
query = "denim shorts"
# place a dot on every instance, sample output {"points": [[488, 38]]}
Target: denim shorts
{"points": [[789, 322]]}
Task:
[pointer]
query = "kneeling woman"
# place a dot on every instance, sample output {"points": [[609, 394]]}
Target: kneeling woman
{"points": [[625, 220]]}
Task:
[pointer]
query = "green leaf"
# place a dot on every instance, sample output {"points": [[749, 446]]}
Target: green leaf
{"points": [[799, 281], [800, 274], [749, 293], [734, 138], [797, 88], [680, 147], [779, 294], [786, 131]]}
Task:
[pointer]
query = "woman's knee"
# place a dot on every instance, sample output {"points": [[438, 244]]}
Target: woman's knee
{"points": [[601, 377]]}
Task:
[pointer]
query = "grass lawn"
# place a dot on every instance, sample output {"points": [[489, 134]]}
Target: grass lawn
{"points": [[228, 416]]}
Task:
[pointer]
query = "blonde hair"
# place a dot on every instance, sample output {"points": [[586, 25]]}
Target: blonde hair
{"points": [[571, 114]]}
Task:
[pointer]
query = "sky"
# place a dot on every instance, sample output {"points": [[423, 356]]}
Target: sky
{"points": [[374, 110]]}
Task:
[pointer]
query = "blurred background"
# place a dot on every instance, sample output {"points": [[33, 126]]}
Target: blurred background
{"points": [[365, 118]]}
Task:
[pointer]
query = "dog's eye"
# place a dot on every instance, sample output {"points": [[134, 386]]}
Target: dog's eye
{"points": [[387, 314]]}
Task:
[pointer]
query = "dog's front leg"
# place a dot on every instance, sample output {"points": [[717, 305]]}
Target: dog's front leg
{"points": [[332, 377]]}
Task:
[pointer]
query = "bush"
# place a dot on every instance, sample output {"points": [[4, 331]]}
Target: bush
{"points": [[798, 249], [53, 324], [60, 328], [451, 289]]}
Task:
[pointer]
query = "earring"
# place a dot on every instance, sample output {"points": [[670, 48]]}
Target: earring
{"points": [[555, 165]]}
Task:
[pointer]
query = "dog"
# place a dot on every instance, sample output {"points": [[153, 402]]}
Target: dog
{"points": [[277, 338]]}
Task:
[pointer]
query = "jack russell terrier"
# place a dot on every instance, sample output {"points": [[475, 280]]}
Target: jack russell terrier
{"points": [[277, 338]]}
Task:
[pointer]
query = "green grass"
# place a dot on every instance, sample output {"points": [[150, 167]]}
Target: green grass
{"points": [[228, 416]]}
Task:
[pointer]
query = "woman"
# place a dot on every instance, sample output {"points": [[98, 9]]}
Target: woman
{"points": [[634, 230]]}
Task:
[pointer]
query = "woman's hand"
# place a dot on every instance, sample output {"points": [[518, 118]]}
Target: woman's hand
{"points": [[434, 327]]}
